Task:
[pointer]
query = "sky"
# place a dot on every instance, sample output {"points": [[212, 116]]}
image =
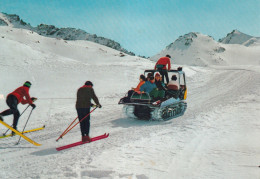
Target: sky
{"points": [[144, 27]]}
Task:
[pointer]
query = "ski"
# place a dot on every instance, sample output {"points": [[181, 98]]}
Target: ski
{"points": [[20, 134], [80, 142], [32, 130]]}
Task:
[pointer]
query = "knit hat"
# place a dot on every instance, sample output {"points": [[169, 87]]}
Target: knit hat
{"points": [[89, 83], [157, 74], [168, 56], [27, 84]]}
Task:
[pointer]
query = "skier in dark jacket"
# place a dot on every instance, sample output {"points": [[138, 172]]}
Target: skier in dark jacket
{"points": [[16, 97], [83, 104]]}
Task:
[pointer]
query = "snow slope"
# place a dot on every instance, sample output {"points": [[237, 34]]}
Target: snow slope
{"points": [[216, 138], [197, 49]]}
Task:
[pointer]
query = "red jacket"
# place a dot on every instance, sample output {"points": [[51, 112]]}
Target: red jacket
{"points": [[138, 86], [20, 93], [164, 61]]}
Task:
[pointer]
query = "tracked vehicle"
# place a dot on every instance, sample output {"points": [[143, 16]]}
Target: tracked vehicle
{"points": [[172, 105]]}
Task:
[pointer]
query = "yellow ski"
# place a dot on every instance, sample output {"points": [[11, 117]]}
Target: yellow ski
{"points": [[32, 130], [20, 134]]}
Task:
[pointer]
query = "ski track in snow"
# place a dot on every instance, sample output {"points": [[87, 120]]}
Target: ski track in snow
{"points": [[215, 138]]}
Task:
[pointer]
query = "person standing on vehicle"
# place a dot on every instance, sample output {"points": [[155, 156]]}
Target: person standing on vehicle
{"points": [[83, 104], [16, 97], [161, 67]]}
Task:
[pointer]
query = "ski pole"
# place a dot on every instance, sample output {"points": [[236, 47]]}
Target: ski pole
{"points": [[25, 126], [19, 116], [79, 121], [66, 129]]}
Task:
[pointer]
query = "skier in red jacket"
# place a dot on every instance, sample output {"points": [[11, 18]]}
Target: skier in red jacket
{"points": [[161, 66], [16, 97]]}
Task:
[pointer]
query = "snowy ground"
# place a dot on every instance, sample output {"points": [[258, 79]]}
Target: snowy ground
{"points": [[216, 138]]}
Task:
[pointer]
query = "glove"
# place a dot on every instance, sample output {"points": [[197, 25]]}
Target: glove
{"points": [[33, 99], [99, 106], [33, 106]]}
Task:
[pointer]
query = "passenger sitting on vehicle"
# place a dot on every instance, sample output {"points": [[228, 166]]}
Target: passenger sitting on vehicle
{"points": [[148, 86], [137, 89], [148, 76], [173, 84], [159, 91], [142, 81], [158, 81], [173, 88]]}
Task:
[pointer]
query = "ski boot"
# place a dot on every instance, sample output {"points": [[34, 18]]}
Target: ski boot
{"points": [[13, 133], [86, 139]]}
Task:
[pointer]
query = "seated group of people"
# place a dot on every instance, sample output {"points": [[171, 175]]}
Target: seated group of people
{"points": [[154, 86]]}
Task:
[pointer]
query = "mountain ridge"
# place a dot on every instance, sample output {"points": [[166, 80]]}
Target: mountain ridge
{"points": [[197, 49], [237, 37], [68, 33]]}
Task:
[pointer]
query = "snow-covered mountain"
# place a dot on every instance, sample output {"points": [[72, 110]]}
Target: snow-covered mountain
{"points": [[219, 133], [202, 50], [237, 37], [63, 33]]}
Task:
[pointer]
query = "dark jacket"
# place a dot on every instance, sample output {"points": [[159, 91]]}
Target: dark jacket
{"points": [[160, 85], [84, 96]]}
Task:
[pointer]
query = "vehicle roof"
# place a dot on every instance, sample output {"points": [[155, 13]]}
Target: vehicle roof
{"points": [[174, 71]]}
